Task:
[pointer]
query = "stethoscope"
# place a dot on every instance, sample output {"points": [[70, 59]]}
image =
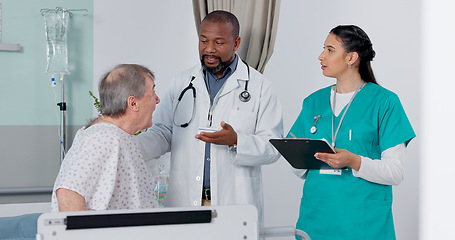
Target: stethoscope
{"points": [[313, 129], [244, 96]]}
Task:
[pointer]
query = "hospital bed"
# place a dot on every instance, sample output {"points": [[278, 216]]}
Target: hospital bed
{"points": [[214, 222]]}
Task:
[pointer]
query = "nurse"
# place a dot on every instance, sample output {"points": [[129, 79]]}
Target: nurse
{"points": [[370, 131]]}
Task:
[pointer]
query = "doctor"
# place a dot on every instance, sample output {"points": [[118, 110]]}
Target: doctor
{"points": [[216, 119]]}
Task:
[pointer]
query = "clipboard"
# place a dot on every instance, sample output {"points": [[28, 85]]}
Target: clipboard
{"points": [[299, 152]]}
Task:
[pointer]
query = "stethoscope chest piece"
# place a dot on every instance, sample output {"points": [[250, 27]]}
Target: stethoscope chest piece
{"points": [[313, 129], [245, 96]]}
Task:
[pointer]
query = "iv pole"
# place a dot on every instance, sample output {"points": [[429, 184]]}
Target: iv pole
{"points": [[62, 104]]}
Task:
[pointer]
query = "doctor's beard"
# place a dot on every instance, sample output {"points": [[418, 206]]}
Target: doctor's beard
{"points": [[216, 69]]}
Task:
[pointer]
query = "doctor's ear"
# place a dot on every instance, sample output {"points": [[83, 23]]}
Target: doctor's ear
{"points": [[237, 43]]}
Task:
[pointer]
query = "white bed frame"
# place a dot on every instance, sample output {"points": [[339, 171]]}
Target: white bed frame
{"points": [[232, 217], [218, 222], [16, 209]]}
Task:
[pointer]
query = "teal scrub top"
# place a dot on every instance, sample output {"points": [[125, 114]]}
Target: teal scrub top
{"points": [[344, 206]]}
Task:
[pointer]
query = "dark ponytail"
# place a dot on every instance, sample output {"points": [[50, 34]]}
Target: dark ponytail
{"points": [[354, 39]]}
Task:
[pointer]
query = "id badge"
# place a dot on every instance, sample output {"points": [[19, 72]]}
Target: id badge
{"points": [[205, 129], [330, 171]]}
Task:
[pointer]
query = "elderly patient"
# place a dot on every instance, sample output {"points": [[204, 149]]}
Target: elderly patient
{"points": [[104, 168]]}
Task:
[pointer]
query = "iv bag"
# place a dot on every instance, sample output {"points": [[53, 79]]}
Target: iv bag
{"points": [[56, 25]]}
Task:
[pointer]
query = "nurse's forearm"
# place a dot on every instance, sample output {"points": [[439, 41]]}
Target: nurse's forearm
{"points": [[356, 162], [389, 170]]}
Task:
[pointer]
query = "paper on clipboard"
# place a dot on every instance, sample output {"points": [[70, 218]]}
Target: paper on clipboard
{"points": [[299, 152]]}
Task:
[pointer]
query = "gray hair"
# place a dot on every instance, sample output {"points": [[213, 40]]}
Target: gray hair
{"points": [[116, 86]]}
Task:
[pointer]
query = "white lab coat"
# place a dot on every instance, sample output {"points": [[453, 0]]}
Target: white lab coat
{"points": [[235, 177]]}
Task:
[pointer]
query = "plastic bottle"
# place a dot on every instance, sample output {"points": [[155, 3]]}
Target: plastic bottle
{"points": [[161, 182]]}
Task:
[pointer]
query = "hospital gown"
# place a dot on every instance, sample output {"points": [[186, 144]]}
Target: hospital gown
{"points": [[106, 167]]}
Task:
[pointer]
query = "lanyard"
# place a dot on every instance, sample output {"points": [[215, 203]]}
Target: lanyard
{"points": [[215, 101], [334, 101]]}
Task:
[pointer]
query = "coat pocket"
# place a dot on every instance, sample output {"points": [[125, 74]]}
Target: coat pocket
{"points": [[242, 121]]}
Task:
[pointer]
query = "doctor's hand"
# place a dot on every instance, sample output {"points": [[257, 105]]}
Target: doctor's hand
{"points": [[226, 136], [341, 158]]}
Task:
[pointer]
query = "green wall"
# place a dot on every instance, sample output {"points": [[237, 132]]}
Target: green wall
{"points": [[26, 95], [29, 122]]}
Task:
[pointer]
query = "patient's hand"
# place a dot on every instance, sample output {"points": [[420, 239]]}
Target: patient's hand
{"points": [[69, 200]]}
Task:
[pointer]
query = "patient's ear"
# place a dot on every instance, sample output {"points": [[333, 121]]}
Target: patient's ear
{"points": [[132, 103]]}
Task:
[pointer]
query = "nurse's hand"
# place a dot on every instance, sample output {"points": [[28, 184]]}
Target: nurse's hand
{"points": [[226, 136], [341, 158]]}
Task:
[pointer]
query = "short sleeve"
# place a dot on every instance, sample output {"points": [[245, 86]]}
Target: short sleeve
{"points": [[297, 127], [91, 168], [394, 125]]}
